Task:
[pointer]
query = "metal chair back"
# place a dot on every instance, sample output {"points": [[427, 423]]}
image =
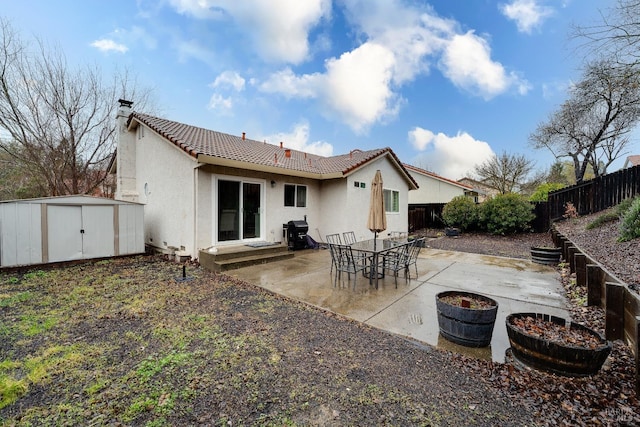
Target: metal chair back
{"points": [[349, 237]]}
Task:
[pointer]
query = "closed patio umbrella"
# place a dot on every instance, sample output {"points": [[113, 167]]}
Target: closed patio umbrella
{"points": [[377, 220]]}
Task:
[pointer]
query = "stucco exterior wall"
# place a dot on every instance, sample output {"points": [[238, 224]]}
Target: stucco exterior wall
{"points": [[165, 184], [433, 190], [345, 207]]}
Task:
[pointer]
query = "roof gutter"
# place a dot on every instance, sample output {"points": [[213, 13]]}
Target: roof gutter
{"points": [[217, 161]]}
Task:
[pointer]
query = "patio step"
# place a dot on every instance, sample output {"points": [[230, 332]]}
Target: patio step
{"points": [[242, 256]]}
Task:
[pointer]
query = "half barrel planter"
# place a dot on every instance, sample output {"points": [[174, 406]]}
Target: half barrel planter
{"points": [[467, 326], [546, 255], [552, 356]]}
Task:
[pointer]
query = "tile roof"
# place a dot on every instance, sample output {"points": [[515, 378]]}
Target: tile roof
{"points": [[436, 176], [201, 143], [633, 160]]}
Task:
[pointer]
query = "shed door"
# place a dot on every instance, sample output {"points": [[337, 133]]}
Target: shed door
{"points": [[65, 240], [99, 234], [77, 232]]}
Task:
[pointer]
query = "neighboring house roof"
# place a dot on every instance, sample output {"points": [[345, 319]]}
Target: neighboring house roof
{"points": [[415, 169], [217, 148], [478, 186], [632, 161]]}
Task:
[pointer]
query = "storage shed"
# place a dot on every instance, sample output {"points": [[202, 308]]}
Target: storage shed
{"points": [[56, 229]]}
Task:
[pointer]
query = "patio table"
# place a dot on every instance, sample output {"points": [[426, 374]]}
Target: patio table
{"points": [[375, 248]]}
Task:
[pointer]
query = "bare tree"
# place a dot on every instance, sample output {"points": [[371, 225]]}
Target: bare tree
{"points": [[59, 123], [592, 127], [505, 173], [617, 36]]}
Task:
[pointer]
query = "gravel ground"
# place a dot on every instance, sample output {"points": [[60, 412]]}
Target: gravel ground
{"points": [[607, 398], [620, 258]]}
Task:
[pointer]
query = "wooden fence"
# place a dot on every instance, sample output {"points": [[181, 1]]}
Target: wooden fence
{"points": [[427, 215], [596, 194]]}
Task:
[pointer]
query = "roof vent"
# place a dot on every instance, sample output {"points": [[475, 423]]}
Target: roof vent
{"points": [[125, 103], [280, 144], [244, 135]]}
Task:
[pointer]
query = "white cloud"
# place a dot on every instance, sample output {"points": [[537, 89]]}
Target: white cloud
{"points": [[229, 83], [358, 86], [286, 83], [120, 39], [108, 45], [298, 139], [361, 86], [221, 104], [229, 79], [467, 62], [527, 14], [279, 28], [452, 157]]}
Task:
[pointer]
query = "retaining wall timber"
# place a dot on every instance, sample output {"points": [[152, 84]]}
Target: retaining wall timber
{"points": [[621, 305]]}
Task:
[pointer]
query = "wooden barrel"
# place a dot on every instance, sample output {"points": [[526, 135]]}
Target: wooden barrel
{"points": [[551, 356], [466, 326], [548, 256]]}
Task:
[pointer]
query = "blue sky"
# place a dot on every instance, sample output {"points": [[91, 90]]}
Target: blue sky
{"points": [[444, 83]]}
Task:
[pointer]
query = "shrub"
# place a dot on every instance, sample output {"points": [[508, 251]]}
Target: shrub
{"points": [[624, 206], [630, 225], [570, 211], [614, 214], [541, 194], [603, 219], [506, 213], [460, 212]]}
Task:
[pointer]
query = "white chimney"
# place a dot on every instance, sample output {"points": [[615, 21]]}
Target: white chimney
{"points": [[126, 188]]}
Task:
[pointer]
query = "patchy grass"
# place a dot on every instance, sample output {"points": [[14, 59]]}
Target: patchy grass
{"points": [[122, 342]]}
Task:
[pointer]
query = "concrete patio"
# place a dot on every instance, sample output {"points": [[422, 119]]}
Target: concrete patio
{"points": [[518, 285]]}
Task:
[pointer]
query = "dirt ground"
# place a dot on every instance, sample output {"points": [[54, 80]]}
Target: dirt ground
{"points": [[126, 342]]}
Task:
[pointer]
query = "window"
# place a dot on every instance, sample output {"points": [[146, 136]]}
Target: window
{"points": [[295, 195], [391, 201]]}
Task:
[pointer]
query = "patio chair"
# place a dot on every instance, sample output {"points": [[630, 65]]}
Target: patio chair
{"points": [[349, 237], [397, 260], [398, 234], [347, 262], [333, 239], [412, 258]]}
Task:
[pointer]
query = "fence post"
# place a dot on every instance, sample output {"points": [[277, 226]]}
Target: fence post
{"points": [[565, 249], [637, 352], [580, 260], [595, 279], [572, 251], [614, 311]]}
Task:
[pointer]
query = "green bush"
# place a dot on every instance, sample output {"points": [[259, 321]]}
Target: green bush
{"points": [[541, 194], [630, 225], [613, 214], [460, 212], [625, 205], [506, 213], [609, 216]]}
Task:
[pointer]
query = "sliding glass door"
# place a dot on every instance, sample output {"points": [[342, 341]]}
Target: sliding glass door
{"points": [[239, 210]]}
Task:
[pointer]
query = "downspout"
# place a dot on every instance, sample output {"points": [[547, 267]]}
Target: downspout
{"points": [[195, 211]]}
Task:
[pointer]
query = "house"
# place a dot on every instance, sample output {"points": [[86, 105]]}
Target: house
{"points": [[434, 191], [203, 189], [631, 161], [483, 190], [434, 188]]}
